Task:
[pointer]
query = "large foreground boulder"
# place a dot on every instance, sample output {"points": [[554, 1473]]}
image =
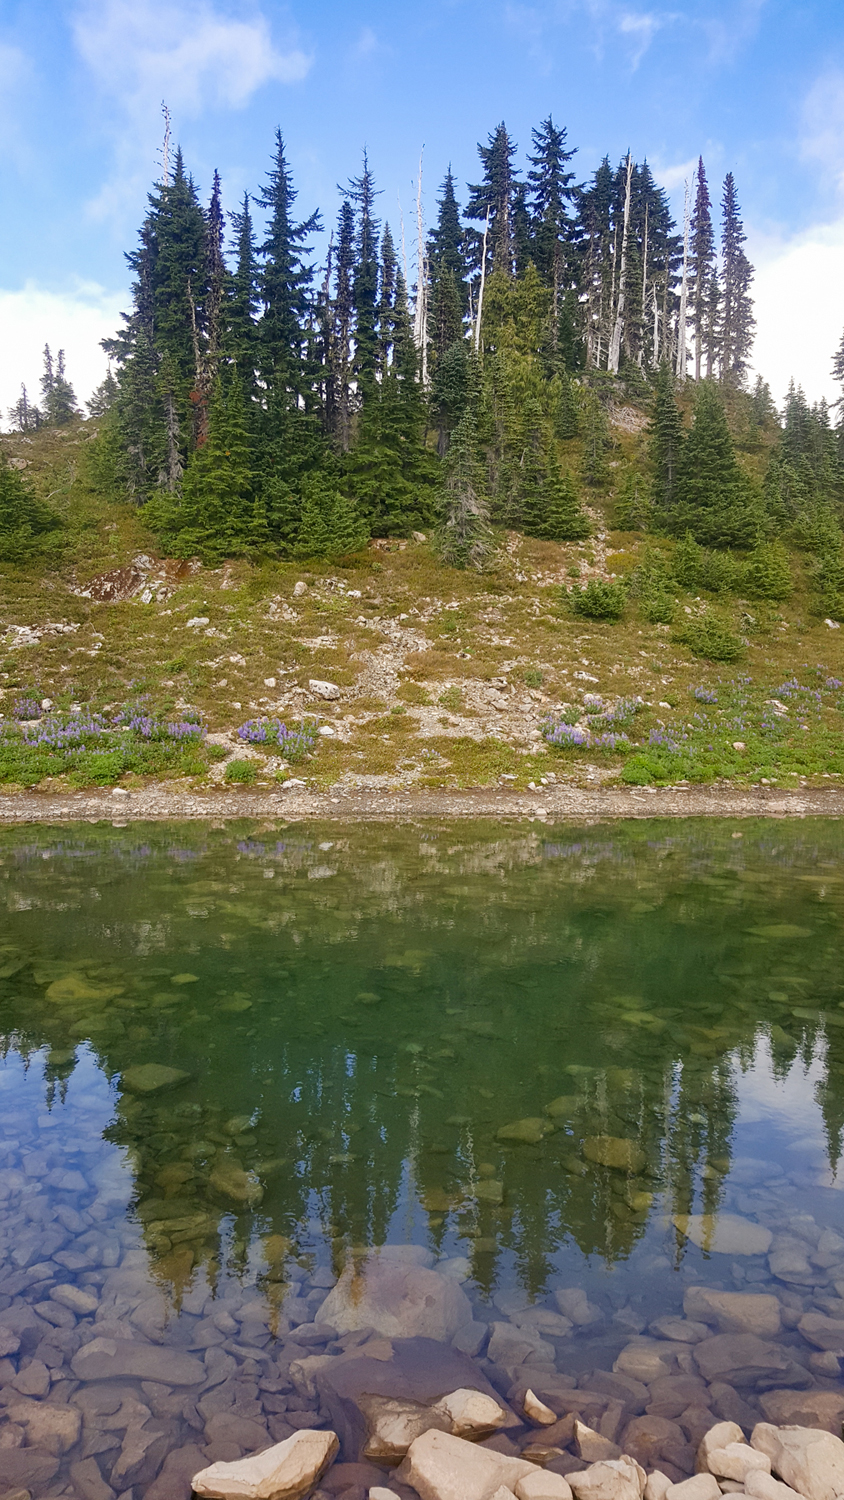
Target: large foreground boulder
{"points": [[285, 1472], [811, 1461], [441, 1467], [396, 1297]]}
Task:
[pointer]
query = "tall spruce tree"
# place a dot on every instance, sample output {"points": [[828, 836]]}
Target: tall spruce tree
{"points": [[715, 500], [666, 438], [495, 195], [27, 525], [464, 535], [550, 195], [702, 270], [286, 281], [339, 316], [449, 295], [362, 193], [737, 320], [240, 338]]}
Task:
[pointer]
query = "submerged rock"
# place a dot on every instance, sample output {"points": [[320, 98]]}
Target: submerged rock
{"points": [[396, 1298], [287, 1471], [117, 1359], [527, 1132], [734, 1312], [615, 1151], [231, 1180], [724, 1234], [149, 1078], [744, 1360]]}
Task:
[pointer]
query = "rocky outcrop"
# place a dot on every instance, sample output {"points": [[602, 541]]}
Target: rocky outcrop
{"points": [[285, 1472]]}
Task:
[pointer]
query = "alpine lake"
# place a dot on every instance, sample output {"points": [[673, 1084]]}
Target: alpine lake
{"points": [[570, 1075]]}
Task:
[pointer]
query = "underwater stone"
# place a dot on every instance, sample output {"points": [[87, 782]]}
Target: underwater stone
{"points": [[615, 1151], [734, 1312], [396, 1298], [148, 1078], [527, 1132], [724, 1234]]}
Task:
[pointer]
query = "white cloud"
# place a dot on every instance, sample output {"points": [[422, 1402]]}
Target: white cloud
{"points": [[675, 176], [74, 320], [189, 53], [822, 125], [642, 28], [799, 296]]}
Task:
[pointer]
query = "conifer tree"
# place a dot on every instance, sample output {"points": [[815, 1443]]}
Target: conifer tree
{"points": [[566, 417], [551, 192], [594, 469], [838, 369], [286, 280], [27, 526], [104, 397], [386, 301], [737, 320], [702, 269], [331, 524], [715, 501], [362, 194], [240, 338], [533, 497], [666, 437], [23, 416], [496, 195], [565, 518], [218, 514], [464, 536], [340, 321]]}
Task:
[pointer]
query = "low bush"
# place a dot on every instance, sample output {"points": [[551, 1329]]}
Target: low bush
{"points": [[711, 638], [599, 600]]}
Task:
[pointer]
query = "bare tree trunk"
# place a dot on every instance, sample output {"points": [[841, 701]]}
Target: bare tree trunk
{"points": [[165, 149], [680, 368], [481, 288], [420, 324], [644, 289], [403, 245], [655, 339], [615, 342]]}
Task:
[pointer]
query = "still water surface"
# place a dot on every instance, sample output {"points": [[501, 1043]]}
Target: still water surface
{"points": [[391, 1035]]}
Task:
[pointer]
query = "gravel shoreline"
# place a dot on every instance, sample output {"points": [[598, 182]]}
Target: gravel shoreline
{"points": [[548, 804]]}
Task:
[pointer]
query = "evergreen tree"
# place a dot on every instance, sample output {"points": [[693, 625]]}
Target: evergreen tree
{"points": [[331, 524], [767, 574], [566, 416], [23, 416], [104, 397], [737, 320], [386, 301], [58, 402], [533, 477], [216, 279], [666, 437], [598, 256], [701, 269], [286, 280], [218, 515], [496, 195], [838, 369], [715, 501], [340, 325], [450, 390], [365, 280], [447, 263], [594, 469], [464, 536], [240, 340], [27, 526], [565, 518], [551, 192]]}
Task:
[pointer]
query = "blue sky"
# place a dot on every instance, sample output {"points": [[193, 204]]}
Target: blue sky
{"points": [[756, 86]]}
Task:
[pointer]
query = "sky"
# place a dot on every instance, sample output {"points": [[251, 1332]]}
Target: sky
{"points": [[754, 86]]}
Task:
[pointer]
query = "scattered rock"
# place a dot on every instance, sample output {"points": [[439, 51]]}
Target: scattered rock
{"points": [[812, 1462], [120, 1359], [744, 1360], [718, 1436], [724, 1234], [56, 1429], [574, 1304], [233, 1182], [543, 1485], [763, 1486], [328, 690], [34, 1380], [734, 1312], [29, 1468], [150, 1078], [614, 1479], [299, 589], [396, 1298], [680, 1330], [471, 1414], [537, 1412], [591, 1446], [393, 1425], [284, 1472], [648, 1359], [524, 1132], [736, 1461], [657, 1486], [823, 1332], [441, 1467], [75, 1298], [823, 1409], [615, 1151], [699, 1487]]}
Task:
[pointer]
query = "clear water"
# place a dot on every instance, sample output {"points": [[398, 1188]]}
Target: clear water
{"points": [[358, 1012]]}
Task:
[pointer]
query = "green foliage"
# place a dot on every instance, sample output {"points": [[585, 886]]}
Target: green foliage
{"points": [[464, 535], [710, 637], [666, 440], [633, 504], [331, 524], [651, 586], [566, 415], [27, 526], [564, 517], [827, 583], [594, 469], [599, 600], [696, 567], [241, 772], [715, 499], [767, 574]]}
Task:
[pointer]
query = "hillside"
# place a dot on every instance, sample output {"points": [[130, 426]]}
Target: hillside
{"points": [[443, 678]]}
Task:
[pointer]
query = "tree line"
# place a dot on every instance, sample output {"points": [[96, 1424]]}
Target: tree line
{"points": [[260, 403]]}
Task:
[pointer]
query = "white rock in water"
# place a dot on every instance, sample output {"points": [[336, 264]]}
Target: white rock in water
{"points": [[393, 1424], [74, 1297], [763, 1486], [537, 1412], [724, 1234], [324, 689], [285, 1472], [736, 1461], [55, 1429], [811, 1461], [657, 1486], [471, 1414], [717, 1437], [396, 1298], [543, 1486], [699, 1487], [610, 1479], [441, 1467]]}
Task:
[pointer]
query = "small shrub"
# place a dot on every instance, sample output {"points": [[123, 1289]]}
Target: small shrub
{"points": [[241, 772], [532, 678], [767, 574], [452, 699], [710, 638], [600, 600]]}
